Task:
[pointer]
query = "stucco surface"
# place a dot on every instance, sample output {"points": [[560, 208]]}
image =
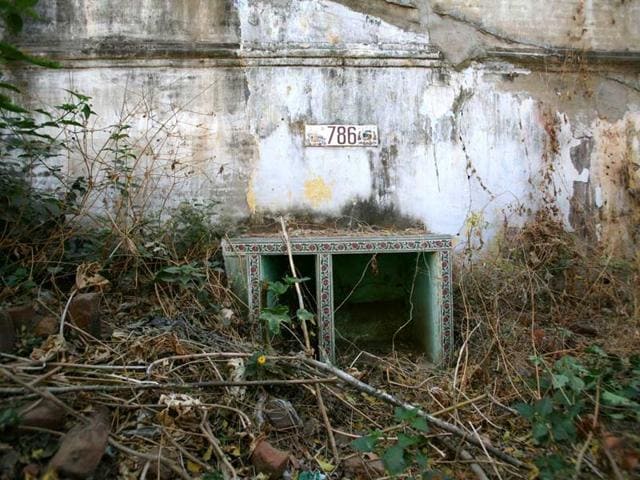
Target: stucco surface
{"points": [[465, 150]]}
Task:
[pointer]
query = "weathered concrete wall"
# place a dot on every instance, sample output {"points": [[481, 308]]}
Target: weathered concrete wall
{"points": [[587, 24], [153, 20], [218, 93]]}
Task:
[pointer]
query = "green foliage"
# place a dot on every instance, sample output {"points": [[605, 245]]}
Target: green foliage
{"points": [[257, 366], [412, 418], [276, 315], [553, 467], [13, 11], [12, 14], [120, 168], [29, 144], [407, 452], [190, 229], [552, 419], [277, 288], [366, 443], [571, 388], [31, 215], [8, 418], [16, 277], [304, 315], [187, 275], [41, 244]]}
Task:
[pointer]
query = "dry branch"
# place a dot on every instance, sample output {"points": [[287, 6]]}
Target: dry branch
{"points": [[47, 395], [165, 386], [386, 397], [230, 472], [152, 458], [307, 344]]}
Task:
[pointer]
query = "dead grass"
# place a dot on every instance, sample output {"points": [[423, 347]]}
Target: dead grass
{"points": [[541, 292]]}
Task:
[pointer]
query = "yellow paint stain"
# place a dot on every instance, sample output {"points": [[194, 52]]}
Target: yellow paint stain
{"points": [[317, 191], [251, 197]]}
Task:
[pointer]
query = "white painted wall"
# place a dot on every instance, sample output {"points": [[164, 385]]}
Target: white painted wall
{"points": [[464, 152]]}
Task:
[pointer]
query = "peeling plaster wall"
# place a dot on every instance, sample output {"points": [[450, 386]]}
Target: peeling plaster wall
{"points": [[218, 93], [310, 22]]}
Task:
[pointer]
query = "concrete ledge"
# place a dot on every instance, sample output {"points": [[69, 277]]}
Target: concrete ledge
{"points": [[123, 51], [566, 56]]}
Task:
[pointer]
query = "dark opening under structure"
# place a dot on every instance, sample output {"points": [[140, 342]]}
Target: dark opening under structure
{"points": [[371, 292], [275, 268], [385, 301]]}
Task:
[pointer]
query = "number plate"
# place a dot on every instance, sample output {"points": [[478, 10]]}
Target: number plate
{"points": [[340, 135]]}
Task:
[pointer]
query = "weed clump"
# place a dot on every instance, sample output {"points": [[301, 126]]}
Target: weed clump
{"points": [[550, 323]]}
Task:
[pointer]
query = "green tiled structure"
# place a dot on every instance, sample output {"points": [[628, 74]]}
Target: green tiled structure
{"points": [[356, 279]]}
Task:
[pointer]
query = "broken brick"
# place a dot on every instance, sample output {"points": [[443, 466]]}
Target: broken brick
{"points": [[84, 312], [269, 460]]}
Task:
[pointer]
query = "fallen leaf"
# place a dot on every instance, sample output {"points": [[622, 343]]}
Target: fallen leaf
{"points": [[37, 454], [49, 349], [324, 465], [193, 467], [207, 455], [87, 276]]}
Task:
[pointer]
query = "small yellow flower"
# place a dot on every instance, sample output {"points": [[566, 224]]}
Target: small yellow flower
{"points": [[262, 360]]}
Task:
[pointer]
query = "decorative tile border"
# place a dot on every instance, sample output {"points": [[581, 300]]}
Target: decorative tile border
{"points": [[446, 315], [336, 245], [326, 330], [253, 248], [254, 267]]}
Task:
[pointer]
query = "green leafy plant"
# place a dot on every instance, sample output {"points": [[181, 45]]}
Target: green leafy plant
{"points": [[553, 467], [42, 244], [16, 277], [274, 317], [188, 275], [571, 388], [277, 314], [405, 452], [12, 14], [190, 228], [256, 365], [552, 419], [8, 418], [29, 148], [29, 142]]}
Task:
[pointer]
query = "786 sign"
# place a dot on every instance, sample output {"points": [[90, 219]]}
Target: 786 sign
{"points": [[341, 135]]}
